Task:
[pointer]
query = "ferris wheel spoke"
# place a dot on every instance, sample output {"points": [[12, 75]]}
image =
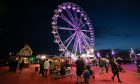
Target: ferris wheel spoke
{"points": [[62, 53], [74, 48], [79, 41], [76, 18], [86, 36], [65, 28], [70, 15], [69, 38], [76, 44], [70, 41], [66, 19], [84, 40], [83, 25], [86, 30], [79, 22]]}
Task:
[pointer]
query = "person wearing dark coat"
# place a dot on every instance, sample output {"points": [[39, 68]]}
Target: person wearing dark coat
{"points": [[115, 70], [79, 68], [10, 65], [21, 65], [86, 76], [41, 72], [62, 71], [15, 64]]}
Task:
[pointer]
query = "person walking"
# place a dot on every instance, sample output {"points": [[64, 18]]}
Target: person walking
{"points": [[46, 67], [51, 67], [79, 69], [102, 65], [106, 65], [10, 63], [21, 65], [115, 70], [86, 76], [15, 65], [41, 72]]}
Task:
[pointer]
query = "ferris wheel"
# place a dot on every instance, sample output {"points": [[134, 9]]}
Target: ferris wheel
{"points": [[72, 29]]}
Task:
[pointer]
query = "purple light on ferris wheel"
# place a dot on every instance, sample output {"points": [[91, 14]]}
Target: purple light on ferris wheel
{"points": [[77, 28]]}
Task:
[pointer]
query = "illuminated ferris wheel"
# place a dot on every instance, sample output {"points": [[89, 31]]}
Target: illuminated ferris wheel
{"points": [[72, 29]]}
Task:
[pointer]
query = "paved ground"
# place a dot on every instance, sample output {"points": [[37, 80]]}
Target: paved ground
{"points": [[28, 76]]}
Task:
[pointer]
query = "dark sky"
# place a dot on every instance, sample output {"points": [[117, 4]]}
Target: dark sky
{"points": [[115, 22]]}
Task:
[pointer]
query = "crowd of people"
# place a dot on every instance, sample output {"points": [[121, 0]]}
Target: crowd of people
{"points": [[59, 68], [84, 70], [14, 64], [54, 68]]}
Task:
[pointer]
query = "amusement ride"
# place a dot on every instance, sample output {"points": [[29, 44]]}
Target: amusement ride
{"points": [[73, 31]]}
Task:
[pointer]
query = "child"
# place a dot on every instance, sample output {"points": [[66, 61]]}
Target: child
{"points": [[86, 76]]}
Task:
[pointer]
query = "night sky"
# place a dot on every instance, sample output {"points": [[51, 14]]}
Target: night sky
{"points": [[115, 22]]}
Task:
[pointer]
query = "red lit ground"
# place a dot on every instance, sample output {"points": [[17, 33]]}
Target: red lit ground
{"points": [[29, 76]]}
